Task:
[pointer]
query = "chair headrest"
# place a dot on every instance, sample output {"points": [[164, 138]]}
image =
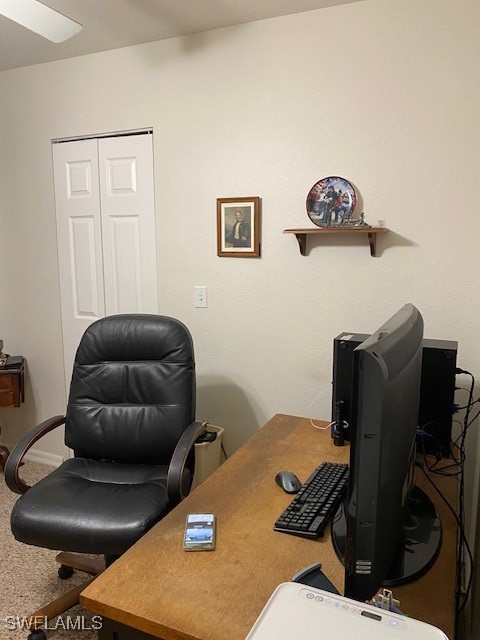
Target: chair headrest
{"points": [[133, 337]]}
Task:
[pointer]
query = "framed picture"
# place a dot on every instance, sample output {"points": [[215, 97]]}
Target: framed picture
{"points": [[238, 227]]}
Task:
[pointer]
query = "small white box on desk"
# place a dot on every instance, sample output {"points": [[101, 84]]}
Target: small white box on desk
{"points": [[298, 612]]}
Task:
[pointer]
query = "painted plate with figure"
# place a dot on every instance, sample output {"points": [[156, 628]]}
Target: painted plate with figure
{"points": [[331, 202]]}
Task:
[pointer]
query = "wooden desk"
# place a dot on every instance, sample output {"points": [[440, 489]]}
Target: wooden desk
{"points": [[12, 394], [164, 592]]}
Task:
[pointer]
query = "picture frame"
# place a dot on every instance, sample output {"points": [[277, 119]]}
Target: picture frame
{"points": [[238, 227]]}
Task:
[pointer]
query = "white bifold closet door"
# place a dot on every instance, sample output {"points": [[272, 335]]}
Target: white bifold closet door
{"points": [[104, 200]]}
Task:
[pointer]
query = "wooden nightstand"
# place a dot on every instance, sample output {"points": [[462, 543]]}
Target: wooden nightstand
{"points": [[12, 394]]}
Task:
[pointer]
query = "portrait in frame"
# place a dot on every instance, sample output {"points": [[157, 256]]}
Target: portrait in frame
{"points": [[238, 227]]}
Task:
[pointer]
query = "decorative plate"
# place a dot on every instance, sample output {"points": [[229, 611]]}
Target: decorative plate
{"points": [[331, 202]]}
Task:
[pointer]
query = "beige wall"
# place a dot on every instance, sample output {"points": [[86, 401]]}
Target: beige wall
{"points": [[382, 92]]}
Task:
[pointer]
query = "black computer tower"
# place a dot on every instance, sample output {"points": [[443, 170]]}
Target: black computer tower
{"points": [[343, 347], [436, 393]]}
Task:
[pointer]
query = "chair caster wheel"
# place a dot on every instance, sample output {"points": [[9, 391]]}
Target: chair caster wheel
{"points": [[64, 573], [38, 634]]}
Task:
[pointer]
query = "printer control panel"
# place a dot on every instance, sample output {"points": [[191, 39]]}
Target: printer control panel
{"points": [[347, 607]]}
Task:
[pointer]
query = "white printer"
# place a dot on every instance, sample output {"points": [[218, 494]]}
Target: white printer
{"points": [[298, 612]]}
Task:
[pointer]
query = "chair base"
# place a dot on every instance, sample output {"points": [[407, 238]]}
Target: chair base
{"points": [[91, 566]]}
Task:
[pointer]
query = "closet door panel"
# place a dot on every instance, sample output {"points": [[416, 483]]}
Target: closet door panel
{"points": [[79, 238], [124, 240], [128, 224]]}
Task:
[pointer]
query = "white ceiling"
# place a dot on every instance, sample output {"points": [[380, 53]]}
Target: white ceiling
{"points": [[111, 24]]}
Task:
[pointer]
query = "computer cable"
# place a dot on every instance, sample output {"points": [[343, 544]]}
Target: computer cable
{"points": [[464, 544], [425, 434], [457, 469], [443, 469], [461, 389], [434, 467], [456, 453], [460, 457], [474, 418], [461, 537], [458, 407], [319, 426], [462, 533], [470, 402]]}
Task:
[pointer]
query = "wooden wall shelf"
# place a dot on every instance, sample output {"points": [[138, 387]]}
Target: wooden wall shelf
{"points": [[372, 232]]}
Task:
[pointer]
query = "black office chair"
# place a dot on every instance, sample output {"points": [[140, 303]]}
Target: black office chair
{"points": [[130, 421]]}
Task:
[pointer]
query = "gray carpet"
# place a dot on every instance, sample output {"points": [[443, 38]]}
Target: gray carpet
{"points": [[28, 577]]}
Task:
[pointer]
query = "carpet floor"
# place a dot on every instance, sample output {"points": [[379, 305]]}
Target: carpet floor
{"points": [[28, 577]]}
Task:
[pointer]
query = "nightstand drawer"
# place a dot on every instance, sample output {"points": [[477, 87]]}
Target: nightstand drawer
{"points": [[11, 387], [6, 382], [7, 398]]}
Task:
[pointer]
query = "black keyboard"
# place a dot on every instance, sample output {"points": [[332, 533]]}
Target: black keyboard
{"points": [[316, 502]]}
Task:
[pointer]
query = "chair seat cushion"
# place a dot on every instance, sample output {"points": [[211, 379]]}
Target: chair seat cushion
{"points": [[91, 506]]}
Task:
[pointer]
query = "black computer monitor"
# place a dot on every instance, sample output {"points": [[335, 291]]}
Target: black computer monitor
{"points": [[387, 532]]}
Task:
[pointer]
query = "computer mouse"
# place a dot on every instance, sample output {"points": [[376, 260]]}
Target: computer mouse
{"points": [[288, 481]]}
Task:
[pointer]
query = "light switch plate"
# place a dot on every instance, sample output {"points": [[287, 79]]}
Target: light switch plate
{"points": [[200, 297]]}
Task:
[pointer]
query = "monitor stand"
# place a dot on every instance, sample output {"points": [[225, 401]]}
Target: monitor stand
{"points": [[313, 576], [419, 545]]}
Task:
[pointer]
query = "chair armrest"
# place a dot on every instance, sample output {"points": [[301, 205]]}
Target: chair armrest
{"points": [[177, 464], [15, 458]]}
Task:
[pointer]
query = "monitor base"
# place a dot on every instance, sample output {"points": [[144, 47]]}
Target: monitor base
{"points": [[419, 545], [313, 576]]}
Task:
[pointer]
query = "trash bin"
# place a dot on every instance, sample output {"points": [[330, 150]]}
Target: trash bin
{"points": [[208, 454]]}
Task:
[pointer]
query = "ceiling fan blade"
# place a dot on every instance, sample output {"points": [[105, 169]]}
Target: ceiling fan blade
{"points": [[41, 19]]}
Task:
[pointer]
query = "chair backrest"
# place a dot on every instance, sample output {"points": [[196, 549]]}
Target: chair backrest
{"points": [[133, 389]]}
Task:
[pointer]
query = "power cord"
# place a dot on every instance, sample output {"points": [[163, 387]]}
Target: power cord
{"points": [[425, 434], [462, 542], [461, 529], [318, 426], [455, 469]]}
